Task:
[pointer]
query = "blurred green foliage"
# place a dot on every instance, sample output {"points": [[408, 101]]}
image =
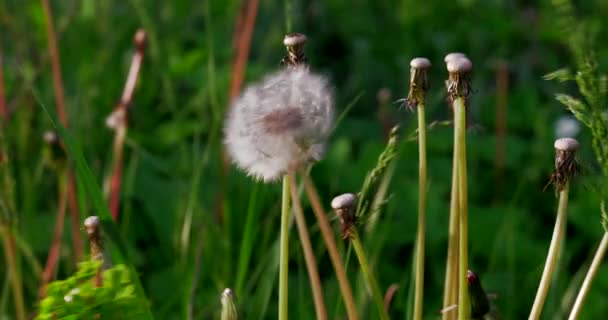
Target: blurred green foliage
{"points": [[78, 297], [186, 255]]}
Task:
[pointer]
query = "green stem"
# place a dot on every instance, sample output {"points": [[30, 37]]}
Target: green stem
{"points": [[595, 266], [419, 294], [11, 261], [464, 307], [451, 280], [370, 280], [284, 251], [552, 256]]}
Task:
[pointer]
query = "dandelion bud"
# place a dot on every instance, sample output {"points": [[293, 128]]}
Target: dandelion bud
{"points": [[565, 161], [419, 82], [453, 55], [294, 42], [345, 206], [228, 305], [280, 124], [92, 227], [459, 82]]}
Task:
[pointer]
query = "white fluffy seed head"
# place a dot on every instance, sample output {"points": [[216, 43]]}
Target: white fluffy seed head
{"points": [[566, 144], [280, 123]]}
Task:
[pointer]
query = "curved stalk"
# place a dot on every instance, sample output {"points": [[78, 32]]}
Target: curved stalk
{"points": [[420, 236], [552, 256], [595, 266], [309, 256], [330, 242], [284, 252]]}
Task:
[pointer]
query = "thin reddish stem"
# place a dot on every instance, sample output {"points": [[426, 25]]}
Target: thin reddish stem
{"points": [[118, 120], [243, 33]]}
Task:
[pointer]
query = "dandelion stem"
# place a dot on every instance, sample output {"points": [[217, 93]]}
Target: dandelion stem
{"points": [[420, 236], [595, 266], [451, 280], [284, 252], [552, 256], [309, 256], [332, 249], [370, 280], [464, 308]]}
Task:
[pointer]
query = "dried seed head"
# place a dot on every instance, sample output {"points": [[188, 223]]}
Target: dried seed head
{"points": [[459, 65], [344, 201], [294, 39], [419, 83], [294, 42], [227, 293], [345, 206], [280, 124], [566, 144], [565, 161], [459, 82], [91, 224], [140, 39], [420, 63], [228, 306], [453, 55]]}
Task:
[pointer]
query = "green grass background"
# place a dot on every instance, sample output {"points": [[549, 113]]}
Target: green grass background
{"points": [[173, 162]]}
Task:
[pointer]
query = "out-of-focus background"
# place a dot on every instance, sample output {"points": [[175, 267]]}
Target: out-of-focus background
{"points": [[184, 221]]}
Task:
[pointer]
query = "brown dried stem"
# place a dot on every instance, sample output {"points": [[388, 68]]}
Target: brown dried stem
{"points": [[330, 242], [118, 120], [309, 256], [243, 33]]}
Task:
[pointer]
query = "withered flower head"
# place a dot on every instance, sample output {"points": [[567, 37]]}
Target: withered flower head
{"points": [[280, 124], [565, 161], [453, 55], [294, 42], [345, 206], [419, 83], [459, 81]]}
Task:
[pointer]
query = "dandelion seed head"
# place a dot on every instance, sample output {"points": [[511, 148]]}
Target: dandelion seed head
{"points": [[280, 123]]}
